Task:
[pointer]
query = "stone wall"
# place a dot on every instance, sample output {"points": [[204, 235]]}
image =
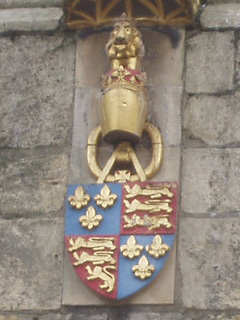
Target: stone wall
{"points": [[37, 68]]}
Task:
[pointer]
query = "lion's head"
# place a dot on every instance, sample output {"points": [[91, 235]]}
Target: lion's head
{"points": [[125, 45]]}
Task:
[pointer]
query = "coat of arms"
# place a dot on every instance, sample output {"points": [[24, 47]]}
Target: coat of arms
{"points": [[119, 232]]}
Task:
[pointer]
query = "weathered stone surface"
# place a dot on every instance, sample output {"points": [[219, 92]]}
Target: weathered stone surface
{"points": [[154, 316], [211, 181], [123, 313], [221, 16], [32, 182], [36, 91], [54, 316], [209, 252], [224, 317], [208, 315], [237, 63], [30, 264], [210, 55], [29, 3], [89, 317], [33, 19], [213, 120], [27, 316]]}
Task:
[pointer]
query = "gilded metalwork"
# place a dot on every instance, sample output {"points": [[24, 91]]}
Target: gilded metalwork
{"points": [[104, 274], [124, 103], [150, 190], [88, 13], [94, 243], [80, 199], [91, 220], [98, 257], [143, 269], [106, 198], [125, 47], [125, 153], [157, 248], [150, 206], [122, 175], [152, 223], [131, 249]]}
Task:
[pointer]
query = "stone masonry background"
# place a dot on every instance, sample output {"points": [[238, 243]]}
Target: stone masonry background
{"points": [[37, 67]]}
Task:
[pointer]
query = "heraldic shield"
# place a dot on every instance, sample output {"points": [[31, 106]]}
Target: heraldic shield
{"points": [[119, 235]]}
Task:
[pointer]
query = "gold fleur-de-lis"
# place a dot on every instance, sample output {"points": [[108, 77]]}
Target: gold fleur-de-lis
{"points": [[157, 248], [80, 199], [105, 199], [91, 219], [131, 249], [143, 269]]}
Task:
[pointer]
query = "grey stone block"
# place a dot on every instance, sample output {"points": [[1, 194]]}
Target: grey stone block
{"points": [[210, 181], [210, 55], [209, 255], [212, 120], [89, 317], [31, 264], [221, 16], [33, 19], [36, 91], [32, 182], [154, 316], [29, 3], [237, 66], [34, 316], [224, 316]]}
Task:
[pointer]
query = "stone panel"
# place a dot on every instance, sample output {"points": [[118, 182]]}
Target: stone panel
{"points": [[221, 16], [37, 91], [30, 264], [210, 55], [212, 120], [33, 19], [211, 181], [32, 182], [209, 254]]}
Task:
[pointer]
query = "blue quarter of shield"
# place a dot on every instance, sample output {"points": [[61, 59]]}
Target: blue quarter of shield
{"points": [[128, 283], [110, 224]]}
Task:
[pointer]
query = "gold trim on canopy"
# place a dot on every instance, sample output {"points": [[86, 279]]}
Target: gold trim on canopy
{"points": [[100, 13]]}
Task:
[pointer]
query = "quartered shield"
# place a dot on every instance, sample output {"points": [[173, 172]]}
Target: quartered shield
{"points": [[119, 235]]}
